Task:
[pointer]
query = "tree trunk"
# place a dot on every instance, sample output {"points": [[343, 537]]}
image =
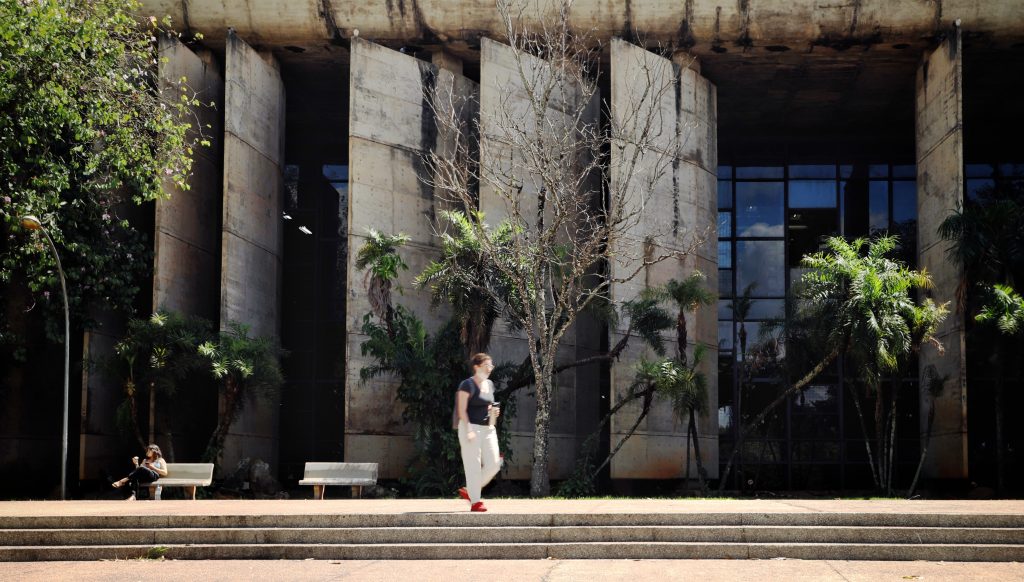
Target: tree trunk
{"points": [[540, 484], [786, 394], [152, 412], [867, 439], [648, 399], [702, 474], [997, 394], [134, 408], [216, 443], [924, 449]]}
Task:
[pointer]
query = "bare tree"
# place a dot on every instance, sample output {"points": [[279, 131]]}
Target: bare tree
{"points": [[568, 190]]}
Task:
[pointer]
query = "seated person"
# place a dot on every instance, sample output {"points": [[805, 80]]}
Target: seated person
{"points": [[152, 468]]}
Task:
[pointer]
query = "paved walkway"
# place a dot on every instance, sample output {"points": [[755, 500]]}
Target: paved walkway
{"points": [[516, 506], [517, 570]]}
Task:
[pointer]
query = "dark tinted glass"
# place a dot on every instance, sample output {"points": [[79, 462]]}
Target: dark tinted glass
{"points": [[821, 171], [812, 194], [724, 224], [761, 263], [754, 172], [724, 172], [724, 254], [973, 187], [906, 171], [878, 205], [759, 209], [979, 170], [725, 282], [904, 201], [724, 194]]}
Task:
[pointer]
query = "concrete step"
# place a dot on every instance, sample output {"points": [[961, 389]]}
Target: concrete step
{"points": [[571, 550], [466, 519], [513, 534]]}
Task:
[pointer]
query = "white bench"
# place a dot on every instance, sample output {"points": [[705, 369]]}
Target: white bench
{"points": [[187, 475], [355, 475]]}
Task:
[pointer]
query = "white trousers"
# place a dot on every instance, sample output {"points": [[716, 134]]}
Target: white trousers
{"points": [[480, 458]]}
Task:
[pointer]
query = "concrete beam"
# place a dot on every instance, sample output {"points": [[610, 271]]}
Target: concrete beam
{"points": [[252, 235], [675, 194], [187, 232], [940, 190], [700, 24]]}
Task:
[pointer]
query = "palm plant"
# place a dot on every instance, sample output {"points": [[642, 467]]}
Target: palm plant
{"points": [[379, 257], [464, 278], [859, 302], [243, 366]]}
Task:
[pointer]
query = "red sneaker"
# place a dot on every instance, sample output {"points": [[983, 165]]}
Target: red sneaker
{"points": [[478, 506], [463, 493]]}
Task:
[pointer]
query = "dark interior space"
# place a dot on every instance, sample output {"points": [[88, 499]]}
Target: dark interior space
{"points": [[314, 264]]}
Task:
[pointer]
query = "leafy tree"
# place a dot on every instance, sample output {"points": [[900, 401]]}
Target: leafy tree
{"points": [[243, 366], [85, 134], [379, 257]]}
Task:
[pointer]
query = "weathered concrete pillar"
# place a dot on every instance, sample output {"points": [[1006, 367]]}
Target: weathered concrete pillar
{"points": [[391, 128], [254, 116], [675, 193], [187, 232], [940, 187], [576, 398]]}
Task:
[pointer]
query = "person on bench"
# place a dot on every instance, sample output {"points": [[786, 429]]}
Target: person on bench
{"points": [[152, 468]]}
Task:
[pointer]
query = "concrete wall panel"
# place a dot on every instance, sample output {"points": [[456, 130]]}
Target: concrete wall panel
{"points": [[940, 186], [675, 215], [504, 105], [187, 230], [392, 128], [252, 236]]}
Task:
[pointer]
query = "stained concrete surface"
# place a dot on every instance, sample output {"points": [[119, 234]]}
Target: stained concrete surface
{"points": [[519, 570]]}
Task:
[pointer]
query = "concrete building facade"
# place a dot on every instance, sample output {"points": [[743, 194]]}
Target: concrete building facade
{"points": [[792, 109]]}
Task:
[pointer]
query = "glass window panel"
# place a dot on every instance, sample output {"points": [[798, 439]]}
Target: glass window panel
{"points": [[845, 170], [904, 201], [725, 309], [725, 335], [724, 172], [796, 274], [725, 282], [760, 172], [878, 205], [805, 171], [335, 173], [724, 254], [766, 309], [762, 339], [724, 194], [812, 194], [724, 224], [1008, 170], [904, 171], [759, 209], [817, 398], [975, 187], [761, 263], [979, 170], [725, 420], [878, 171]]}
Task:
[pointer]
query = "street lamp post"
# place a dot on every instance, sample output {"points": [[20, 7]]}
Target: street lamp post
{"points": [[32, 223]]}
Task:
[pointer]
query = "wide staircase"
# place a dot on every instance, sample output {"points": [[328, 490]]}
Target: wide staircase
{"points": [[425, 536]]}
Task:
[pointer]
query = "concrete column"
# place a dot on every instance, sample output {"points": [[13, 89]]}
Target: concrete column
{"points": [[254, 116], [391, 128], [187, 232], [677, 207], [940, 187]]}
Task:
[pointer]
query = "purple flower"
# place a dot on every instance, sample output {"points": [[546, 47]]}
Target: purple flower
{"points": [[46, 294], [7, 199], [106, 216]]}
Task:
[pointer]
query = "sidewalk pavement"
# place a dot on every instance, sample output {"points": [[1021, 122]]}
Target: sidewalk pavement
{"points": [[498, 506], [517, 570]]}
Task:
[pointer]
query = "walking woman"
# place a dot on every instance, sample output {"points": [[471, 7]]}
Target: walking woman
{"points": [[476, 412], [152, 468]]}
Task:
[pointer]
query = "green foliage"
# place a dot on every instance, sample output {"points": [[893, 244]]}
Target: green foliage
{"points": [[648, 318], [1004, 309], [867, 299], [428, 367], [242, 365], [681, 384], [986, 235], [83, 131], [379, 257]]}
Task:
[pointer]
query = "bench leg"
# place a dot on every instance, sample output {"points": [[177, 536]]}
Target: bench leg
{"points": [[191, 492], [357, 491], [318, 491]]}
